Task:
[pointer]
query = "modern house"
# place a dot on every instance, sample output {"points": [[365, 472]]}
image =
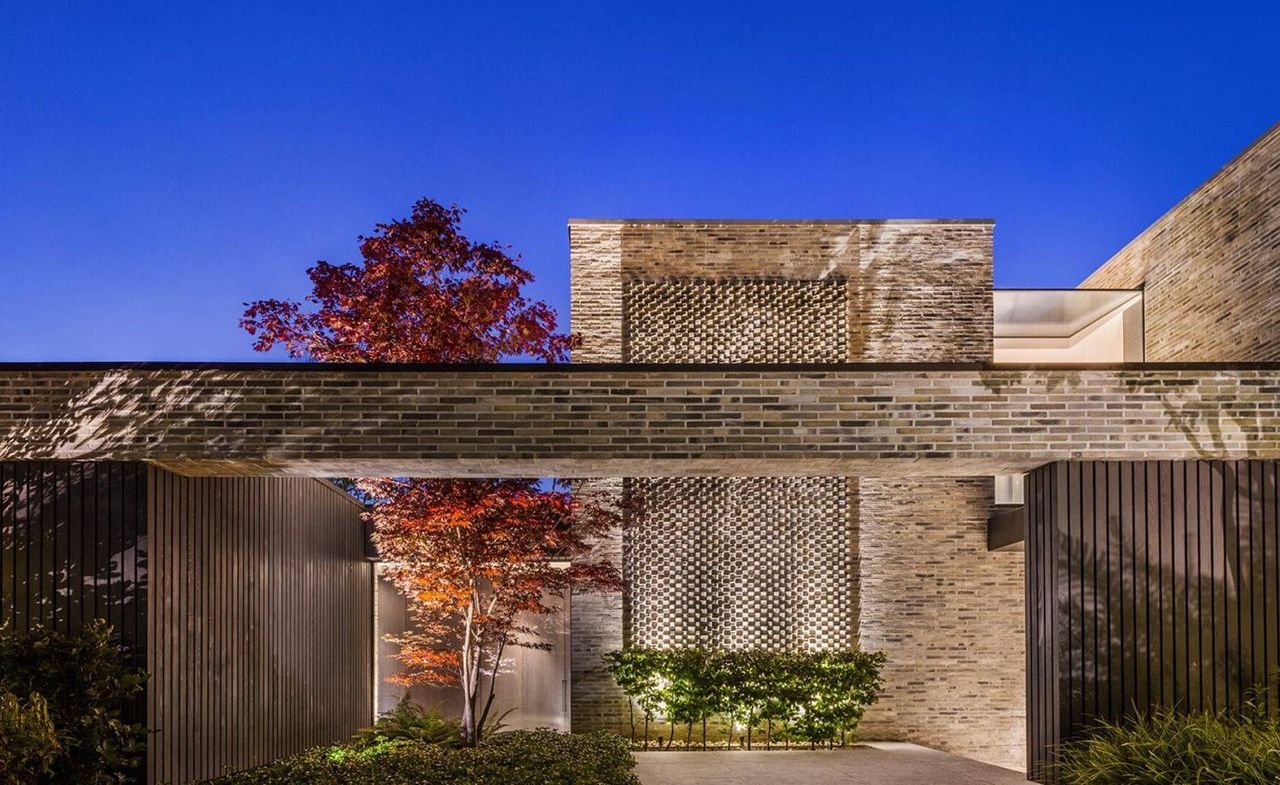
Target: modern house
{"points": [[1047, 507]]}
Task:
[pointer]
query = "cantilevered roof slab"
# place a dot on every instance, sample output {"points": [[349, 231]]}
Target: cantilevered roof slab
{"points": [[634, 420]]}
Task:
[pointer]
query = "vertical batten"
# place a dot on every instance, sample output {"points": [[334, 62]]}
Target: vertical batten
{"points": [[1171, 585]]}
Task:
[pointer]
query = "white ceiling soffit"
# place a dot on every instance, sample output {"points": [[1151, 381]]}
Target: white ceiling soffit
{"points": [[1056, 313]]}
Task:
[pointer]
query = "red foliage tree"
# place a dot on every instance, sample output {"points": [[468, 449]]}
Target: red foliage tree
{"points": [[472, 557], [477, 560], [423, 293]]}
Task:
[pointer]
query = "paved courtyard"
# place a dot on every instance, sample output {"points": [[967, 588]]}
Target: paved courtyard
{"points": [[876, 763]]}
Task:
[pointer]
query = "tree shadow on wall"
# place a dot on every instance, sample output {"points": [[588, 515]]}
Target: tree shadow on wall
{"points": [[1180, 609], [878, 297], [1213, 419], [99, 414], [74, 538], [1205, 418]]}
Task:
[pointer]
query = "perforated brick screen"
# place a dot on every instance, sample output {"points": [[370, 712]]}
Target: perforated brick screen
{"points": [[730, 321], [742, 562]]}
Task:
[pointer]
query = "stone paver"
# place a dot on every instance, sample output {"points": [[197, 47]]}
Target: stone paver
{"points": [[876, 763]]}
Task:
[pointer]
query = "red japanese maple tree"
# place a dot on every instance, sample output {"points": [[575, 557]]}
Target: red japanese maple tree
{"points": [[473, 558], [423, 293], [478, 560]]}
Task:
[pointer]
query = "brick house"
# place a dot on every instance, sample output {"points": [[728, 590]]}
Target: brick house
{"points": [[1046, 506]]}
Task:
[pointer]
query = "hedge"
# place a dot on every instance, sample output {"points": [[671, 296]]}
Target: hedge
{"points": [[511, 758], [816, 697]]}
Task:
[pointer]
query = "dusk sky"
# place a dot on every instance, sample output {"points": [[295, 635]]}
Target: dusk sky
{"points": [[161, 165]]}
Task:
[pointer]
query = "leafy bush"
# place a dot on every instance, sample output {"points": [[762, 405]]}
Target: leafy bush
{"points": [[28, 743], [513, 758], [1167, 747], [87, 684], [813, 696], [410, 722]]}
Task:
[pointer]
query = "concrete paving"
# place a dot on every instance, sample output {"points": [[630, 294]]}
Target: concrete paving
{"points": [[873, 763]]}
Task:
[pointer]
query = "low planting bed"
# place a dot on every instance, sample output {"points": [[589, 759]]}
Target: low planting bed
{"points": [[1166, 747], [513, 758]]}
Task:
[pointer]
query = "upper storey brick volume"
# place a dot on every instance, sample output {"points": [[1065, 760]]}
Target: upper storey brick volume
{"points": [[1210, 267], [777, 291]]}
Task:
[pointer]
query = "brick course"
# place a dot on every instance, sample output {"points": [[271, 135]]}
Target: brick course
{"points": [[648, 421]]}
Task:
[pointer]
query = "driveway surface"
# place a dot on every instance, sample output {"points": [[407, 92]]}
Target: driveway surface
{"points": [[874, 763]]}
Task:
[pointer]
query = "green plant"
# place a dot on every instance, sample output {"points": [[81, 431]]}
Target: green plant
{"points": [[28, 742], [512, 758], [1168, 747], [87, 683], [836, 688], [411, 722], [817, 697], [636, 672]]}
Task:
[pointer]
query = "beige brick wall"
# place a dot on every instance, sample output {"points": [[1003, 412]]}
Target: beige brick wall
{"points": [[595, 291], [595, 629], [581, 422], [773, 561], [950, 615], [1211, 266]]}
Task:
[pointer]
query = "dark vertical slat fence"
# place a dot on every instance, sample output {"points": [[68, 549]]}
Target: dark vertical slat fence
{"points": [[249, 601], [1148, 584], [73, 548], [261, 633]]}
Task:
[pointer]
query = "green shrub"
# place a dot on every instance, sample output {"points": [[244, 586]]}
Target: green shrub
{"points": [[1167, 747], [410, 722], [87, 684], [512, 758], [816, 697], [28, 742]]}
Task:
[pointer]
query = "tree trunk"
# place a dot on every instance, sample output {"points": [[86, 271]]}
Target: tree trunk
{"points": [[468, 692], [493, 683]]}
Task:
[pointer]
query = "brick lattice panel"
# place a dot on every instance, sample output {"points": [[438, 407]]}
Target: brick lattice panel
{"points": [[740, 320], [742, 562], [914, 290]]}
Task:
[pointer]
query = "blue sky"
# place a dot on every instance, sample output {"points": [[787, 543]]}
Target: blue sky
{"points": [[161, 164]]}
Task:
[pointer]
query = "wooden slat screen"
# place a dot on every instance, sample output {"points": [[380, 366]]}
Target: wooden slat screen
{"points": [[1148, 584], [261, 626]]}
